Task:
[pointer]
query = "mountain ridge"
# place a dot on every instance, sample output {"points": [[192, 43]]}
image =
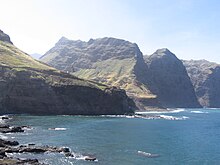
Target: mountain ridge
{"points": [[106, 60], [119, 63], [31, 86]]}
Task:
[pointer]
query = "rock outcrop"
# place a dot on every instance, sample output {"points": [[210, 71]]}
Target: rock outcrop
{"points": [[7, 147], [30, 86], [205, 77], [4, 37], [169, 80], [110, 61]]}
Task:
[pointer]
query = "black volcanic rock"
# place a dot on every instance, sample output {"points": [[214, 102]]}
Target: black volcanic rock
{"points": [[205, 77], [30, 86], [111, 61], [168, 79], [4, 37]]}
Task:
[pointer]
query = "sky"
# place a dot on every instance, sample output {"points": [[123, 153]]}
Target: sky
{"points": [[188, 28]]}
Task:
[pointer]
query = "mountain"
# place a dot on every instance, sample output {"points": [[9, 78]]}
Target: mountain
{"points": [[30, 86], [205, 77], [170, 81], [110, 61], [36, 56], [161, 81]]}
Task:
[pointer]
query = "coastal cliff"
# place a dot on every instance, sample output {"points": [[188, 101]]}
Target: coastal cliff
{"points": [[169, 80], [30, 86], [205, 77], [111, 61], [156, 82]]}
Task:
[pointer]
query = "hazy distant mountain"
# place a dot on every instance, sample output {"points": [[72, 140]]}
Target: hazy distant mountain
{"points": [[36, 56], [29, 86], [120, 63], [205, 77]]}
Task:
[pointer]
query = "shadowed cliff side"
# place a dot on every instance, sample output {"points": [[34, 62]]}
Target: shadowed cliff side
{"points": [[168, 79], [205, 77]]}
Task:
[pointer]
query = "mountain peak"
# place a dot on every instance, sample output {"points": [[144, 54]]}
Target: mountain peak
{"points": [[4, 37], [164, 52], [63, 39]]}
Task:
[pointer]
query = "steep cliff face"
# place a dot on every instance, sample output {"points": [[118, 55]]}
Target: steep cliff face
{"points": [[169, 80], [205, 77], [30, 86], [110, 61]]}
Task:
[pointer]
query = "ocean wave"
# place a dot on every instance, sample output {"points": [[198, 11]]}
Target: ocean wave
{"points": [[27, 128], [78, 156], [213, 108], [148, 117], [3, 137], [148, 155], [161, 112], [114, 116], [198, 112], [173, 118], [165, 117], [119, 116], [58, 129]]}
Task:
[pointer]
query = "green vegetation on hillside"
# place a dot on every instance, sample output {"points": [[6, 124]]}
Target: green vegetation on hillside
{"points": [[18, 61], [13, 57]]}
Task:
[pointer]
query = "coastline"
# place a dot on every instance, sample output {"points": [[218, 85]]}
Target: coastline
{"points": [[95, 135], [9, 147]]}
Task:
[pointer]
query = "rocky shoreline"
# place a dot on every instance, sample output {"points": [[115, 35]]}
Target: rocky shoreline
{"points": [[7, 147]]}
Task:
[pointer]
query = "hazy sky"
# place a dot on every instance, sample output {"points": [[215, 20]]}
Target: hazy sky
{"points": [[189, 28]]}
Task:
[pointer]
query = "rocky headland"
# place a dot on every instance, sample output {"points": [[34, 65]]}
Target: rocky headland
{"points": [[32, 87]]}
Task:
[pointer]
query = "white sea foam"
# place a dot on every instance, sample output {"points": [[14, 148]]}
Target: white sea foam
{"points": [[129, 117], [161, 112], [177, 110], [4, 116], [148, 155], [57, 129], [113, 116], [9, 133], [118, 116], [78, 156], [3, 137], [198, 112], [27, 128], [2, 121], [173, 118], [152, 115]]}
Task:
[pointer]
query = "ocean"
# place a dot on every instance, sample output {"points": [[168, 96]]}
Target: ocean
{"points": [[180, 137]]}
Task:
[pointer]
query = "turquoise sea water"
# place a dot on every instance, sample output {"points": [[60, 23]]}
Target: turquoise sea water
{"points": [[194, 139]]}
